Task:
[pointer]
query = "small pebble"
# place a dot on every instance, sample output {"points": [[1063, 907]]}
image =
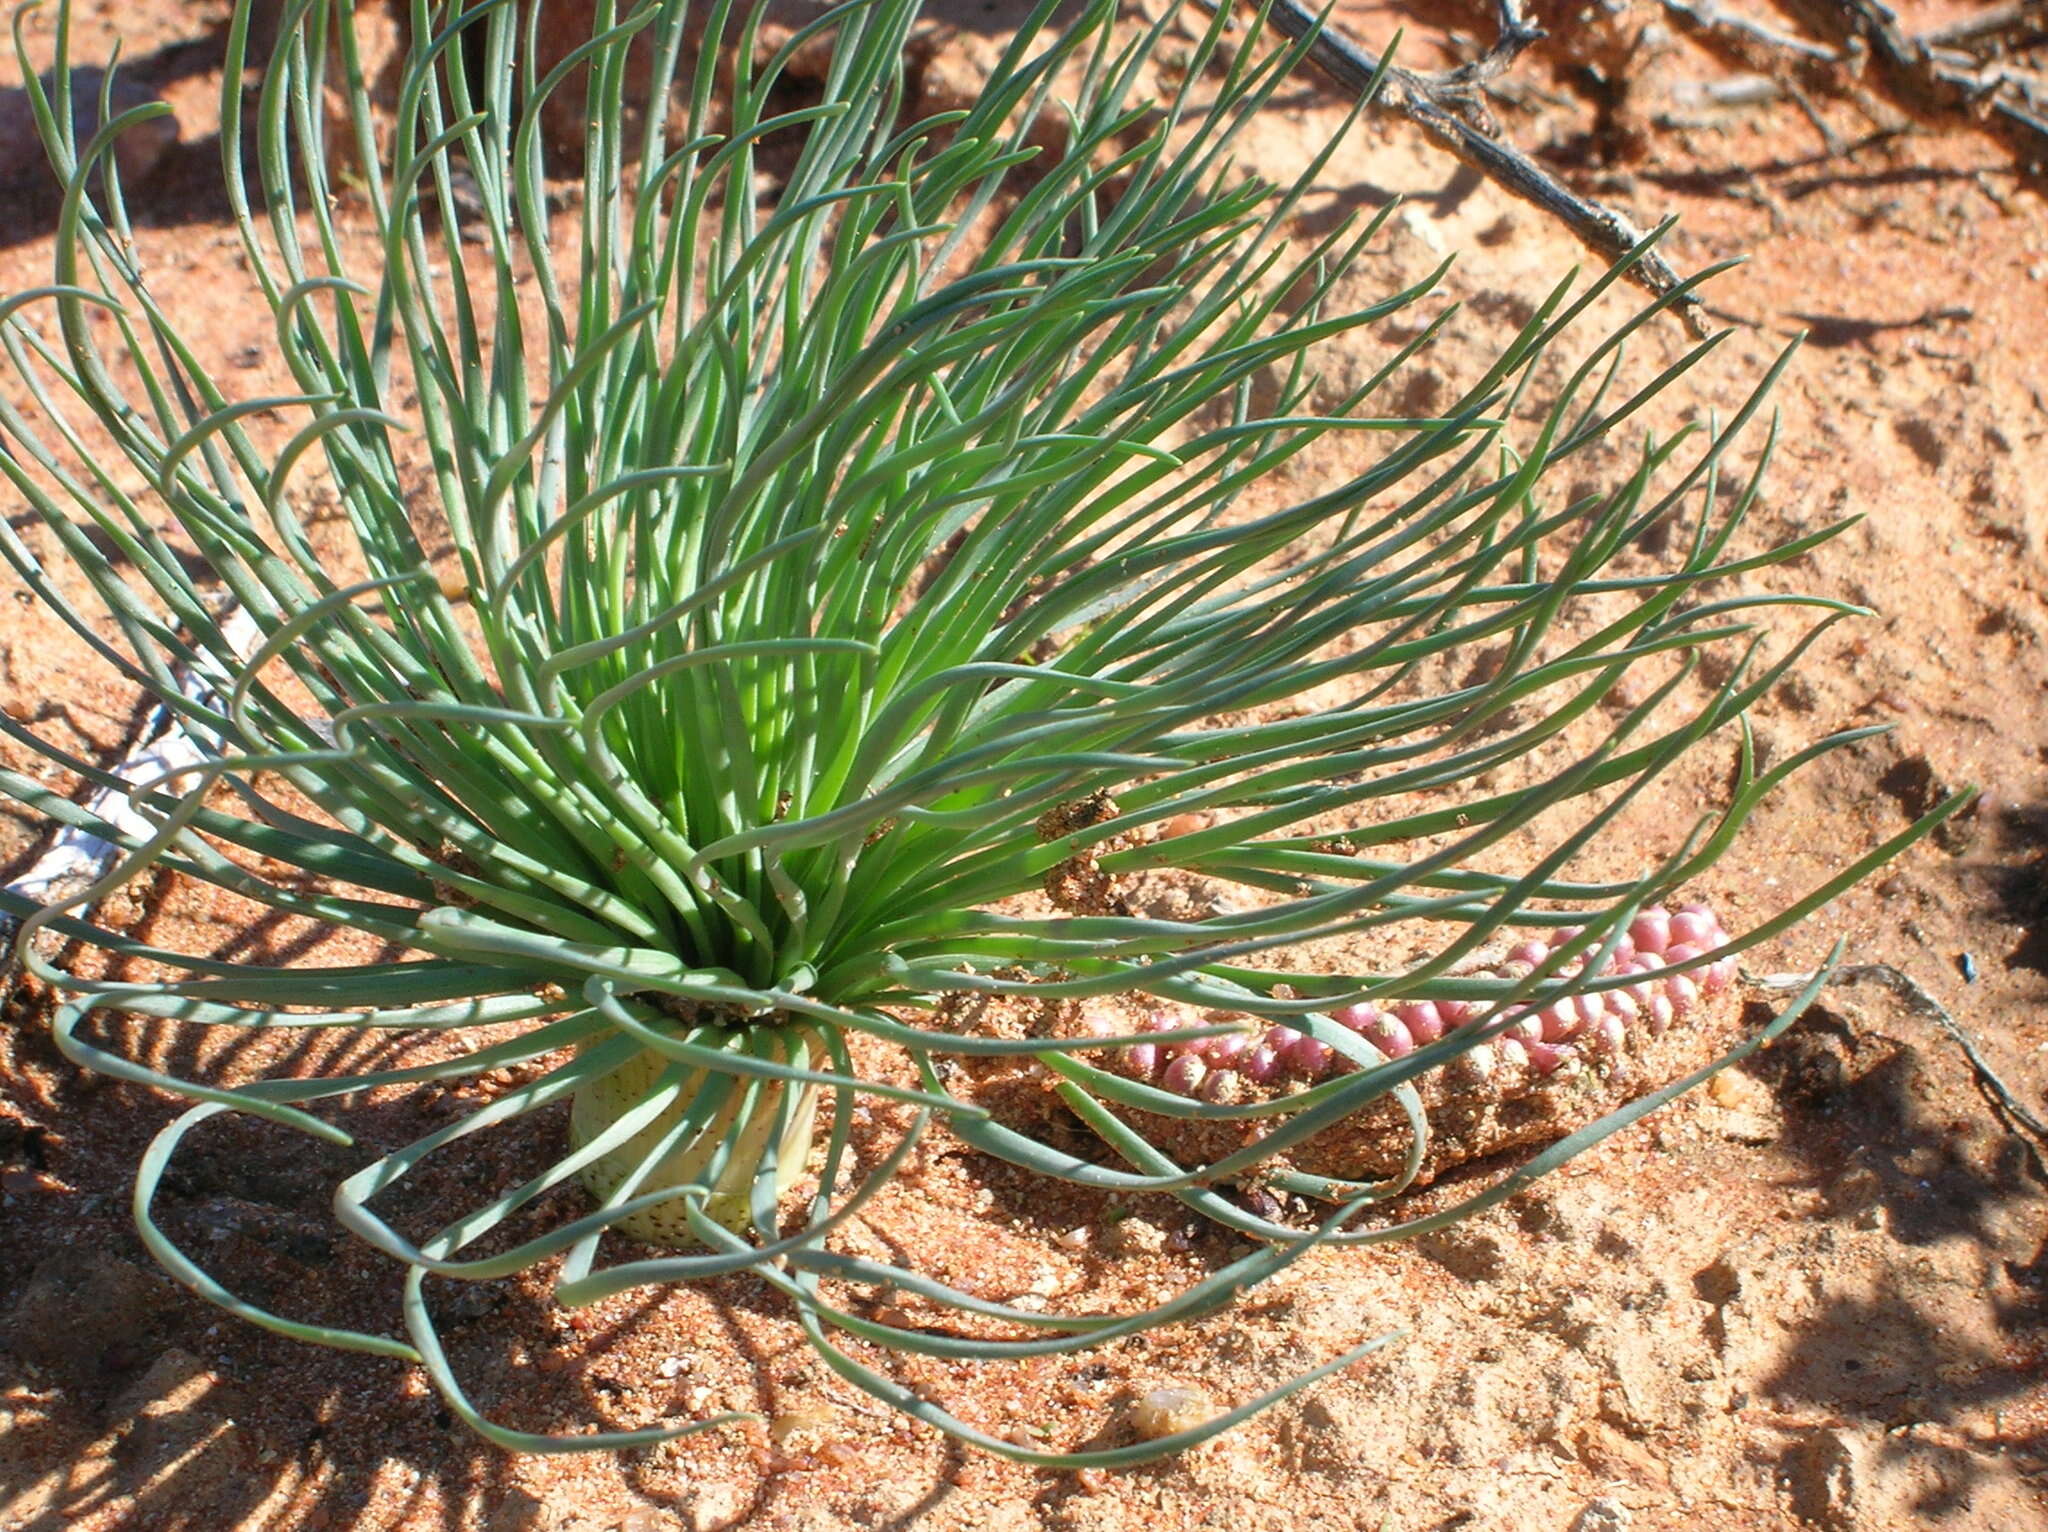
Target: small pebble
{"points": [[1138, 1236], [788, 1424], [1165, 1411]]}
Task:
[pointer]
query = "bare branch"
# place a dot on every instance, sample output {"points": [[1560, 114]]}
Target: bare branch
{"points": [[1917, 1000], [1429, 101], [1707, 17], [2004, 26], [1919, 79], [1514, 35]]}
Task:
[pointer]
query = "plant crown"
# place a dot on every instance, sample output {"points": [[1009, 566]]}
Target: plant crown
{"points": [[832, 561]]}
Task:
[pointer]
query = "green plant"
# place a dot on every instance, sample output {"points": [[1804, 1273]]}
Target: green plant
{"points": [[835, 564]]}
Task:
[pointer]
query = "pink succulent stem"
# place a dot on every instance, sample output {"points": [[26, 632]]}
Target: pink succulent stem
{"points": [[1560, 1034]]}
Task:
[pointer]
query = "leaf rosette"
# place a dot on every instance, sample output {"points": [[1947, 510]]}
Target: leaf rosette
{"points": [[750, 592]]}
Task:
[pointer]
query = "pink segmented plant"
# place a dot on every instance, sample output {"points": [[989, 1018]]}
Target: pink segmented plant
{"points": [[1660, 957]]}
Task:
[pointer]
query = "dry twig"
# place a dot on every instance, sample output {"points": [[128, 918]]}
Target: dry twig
{"points": [[1433, 102], [2004, 1101], [1706, 17], [2019, 25], [1915, 73]]}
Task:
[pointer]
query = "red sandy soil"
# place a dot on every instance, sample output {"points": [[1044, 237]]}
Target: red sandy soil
{"points": [[1813, 1293]]}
